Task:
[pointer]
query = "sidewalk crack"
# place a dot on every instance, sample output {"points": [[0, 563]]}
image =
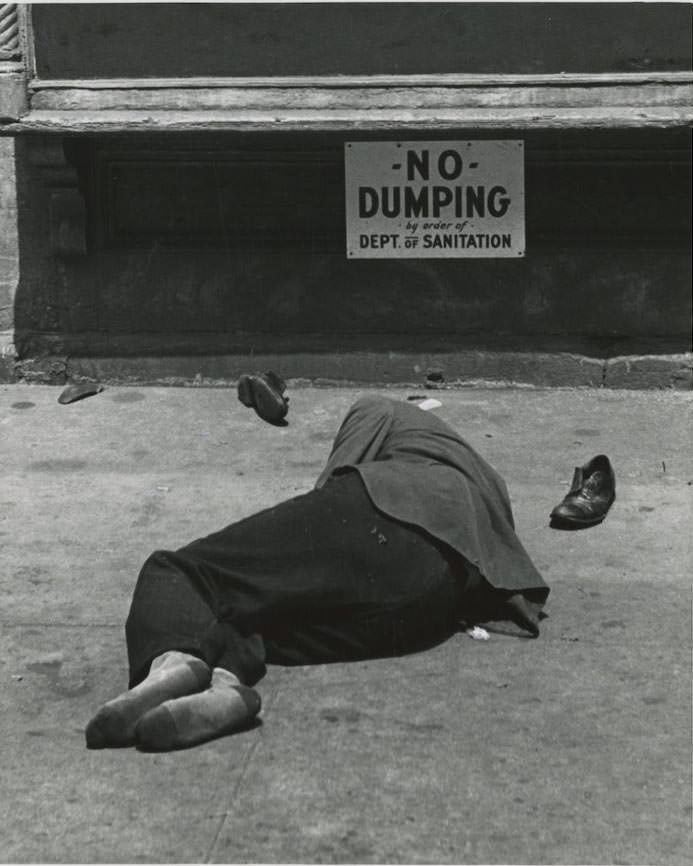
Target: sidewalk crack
{"points": [[208, 858]]}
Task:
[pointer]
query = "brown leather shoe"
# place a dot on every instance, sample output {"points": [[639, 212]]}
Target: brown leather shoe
{"points": [[591, 495], [264, 392]]}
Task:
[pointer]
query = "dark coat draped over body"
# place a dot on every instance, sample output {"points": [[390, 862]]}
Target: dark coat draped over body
{"points": [[389, 555], [418, 470]]}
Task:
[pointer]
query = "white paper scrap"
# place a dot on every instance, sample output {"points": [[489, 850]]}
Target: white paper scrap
{"points": [[429, 403]]}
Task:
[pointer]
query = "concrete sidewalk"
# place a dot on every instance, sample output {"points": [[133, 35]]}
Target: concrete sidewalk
{"points": [[574, 748]]}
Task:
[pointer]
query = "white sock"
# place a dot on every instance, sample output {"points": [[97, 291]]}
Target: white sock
{"points": [[171, 675], [225, 707]]}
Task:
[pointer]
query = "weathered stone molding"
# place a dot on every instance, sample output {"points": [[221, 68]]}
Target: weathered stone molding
{"points": [[9, 254], [67, 206], [10, 45], [13, 92]]}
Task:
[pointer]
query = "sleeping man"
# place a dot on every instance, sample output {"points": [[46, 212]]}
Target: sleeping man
{"points": [[407, 533]]}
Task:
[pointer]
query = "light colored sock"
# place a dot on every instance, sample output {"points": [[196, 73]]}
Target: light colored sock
{"points": [[224, 708], [171, 675]]}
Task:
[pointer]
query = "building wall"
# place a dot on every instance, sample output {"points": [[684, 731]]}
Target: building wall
{"points": [[244, 235], [201, 243], [178, 40]]}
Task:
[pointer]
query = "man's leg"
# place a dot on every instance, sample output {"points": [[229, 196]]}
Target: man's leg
{"points": [[173, 640], [205, 605], [180, 603], [323, 578], [388, 588], [325, 575]]}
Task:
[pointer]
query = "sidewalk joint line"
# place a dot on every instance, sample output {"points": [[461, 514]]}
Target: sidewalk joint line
{"points": [[5, 624], [246, 762]]}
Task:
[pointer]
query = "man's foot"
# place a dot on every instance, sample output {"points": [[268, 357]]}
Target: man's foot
{"points": [[523, 614], [224, 708], [171, 675]]}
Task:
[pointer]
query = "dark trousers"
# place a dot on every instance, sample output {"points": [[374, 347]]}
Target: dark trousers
{"points": [[322, 577]]}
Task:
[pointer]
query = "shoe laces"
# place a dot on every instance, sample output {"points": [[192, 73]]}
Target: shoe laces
{"points": [[593, 485]]}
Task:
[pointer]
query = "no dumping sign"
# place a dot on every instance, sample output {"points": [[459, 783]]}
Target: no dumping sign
{"points": [[435, 199]]}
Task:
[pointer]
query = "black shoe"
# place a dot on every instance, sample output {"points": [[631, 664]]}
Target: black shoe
{"points": [[591, 495], [264, 392], [79, 391]]}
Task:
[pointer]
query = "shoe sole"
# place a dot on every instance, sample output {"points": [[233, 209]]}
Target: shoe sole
{"points": [[245, 393], [255, 393], [563, 523]]}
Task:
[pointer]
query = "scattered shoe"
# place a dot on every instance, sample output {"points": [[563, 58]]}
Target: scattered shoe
{"points": [[79, 391], [591, 495], [264, 392]]}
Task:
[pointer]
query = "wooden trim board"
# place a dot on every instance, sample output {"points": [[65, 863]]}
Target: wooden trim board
{"points": [[359, 102]]}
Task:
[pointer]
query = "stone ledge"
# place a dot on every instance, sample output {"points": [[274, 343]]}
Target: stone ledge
{"points": [[46, 370], [422, 370], [650, 371], [452, 369]]}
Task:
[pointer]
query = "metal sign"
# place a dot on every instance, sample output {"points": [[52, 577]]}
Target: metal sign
{"points": [[435, 199]]}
